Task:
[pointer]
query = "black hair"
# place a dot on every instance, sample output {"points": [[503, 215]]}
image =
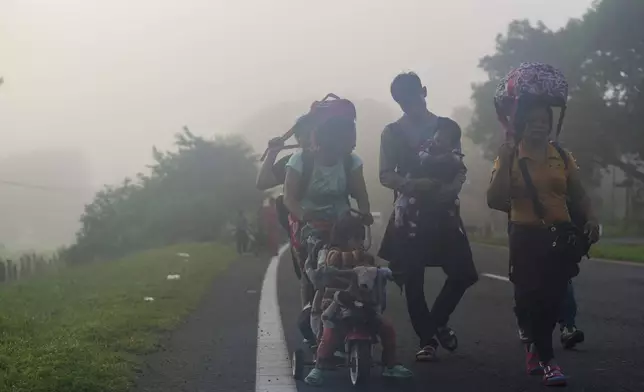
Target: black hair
{"points": [[302, 126], [521, 117], [452, 128], [347, 228], [334, 133], [404, 86]]}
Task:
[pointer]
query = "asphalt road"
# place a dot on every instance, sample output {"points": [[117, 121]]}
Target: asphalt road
{"points": [[490, 357], [215, 349]]}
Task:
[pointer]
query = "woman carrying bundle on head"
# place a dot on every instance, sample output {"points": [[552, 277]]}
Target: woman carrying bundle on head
{"points": [[552, 223]]}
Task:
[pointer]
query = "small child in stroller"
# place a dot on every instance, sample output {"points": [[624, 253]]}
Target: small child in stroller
{"points": [[345, 252]]}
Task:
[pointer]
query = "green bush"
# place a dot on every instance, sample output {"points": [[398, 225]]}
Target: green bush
{"points": [[190, 195]]}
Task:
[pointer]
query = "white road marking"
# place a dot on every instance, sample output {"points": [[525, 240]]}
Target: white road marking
{"points": [[273, 363], [497, 277]]}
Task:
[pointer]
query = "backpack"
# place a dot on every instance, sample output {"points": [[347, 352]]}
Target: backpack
{"points": [[321, 111], [577, 217]]}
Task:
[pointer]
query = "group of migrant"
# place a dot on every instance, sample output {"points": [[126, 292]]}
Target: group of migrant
{"points": [[421, 161]]}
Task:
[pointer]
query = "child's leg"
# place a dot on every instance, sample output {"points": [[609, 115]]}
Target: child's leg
{"points": [[388, 340], [326, 348]]}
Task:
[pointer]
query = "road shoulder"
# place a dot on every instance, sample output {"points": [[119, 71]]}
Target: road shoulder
{"points": [[215, 347]]}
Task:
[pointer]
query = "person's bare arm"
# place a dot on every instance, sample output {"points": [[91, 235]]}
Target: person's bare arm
{"points": [[266, 176], [451, 191], [388, 162], [498, 192], [358, 189], [291, 189], [387, 169]]}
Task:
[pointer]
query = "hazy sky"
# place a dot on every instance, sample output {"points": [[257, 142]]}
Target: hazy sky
{"points": [[114, 77]]}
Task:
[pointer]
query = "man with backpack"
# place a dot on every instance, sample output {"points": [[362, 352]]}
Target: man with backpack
{"points": [[440, 238]]}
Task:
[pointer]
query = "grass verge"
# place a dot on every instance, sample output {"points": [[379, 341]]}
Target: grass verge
{"points": [[601, 251], [81, 329]]}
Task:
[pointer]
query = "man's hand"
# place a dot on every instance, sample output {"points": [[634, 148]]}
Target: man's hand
{"points": [[367, 218]]}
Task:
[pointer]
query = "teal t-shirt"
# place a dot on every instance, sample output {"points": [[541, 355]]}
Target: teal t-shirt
{"points": [[326, 196]]}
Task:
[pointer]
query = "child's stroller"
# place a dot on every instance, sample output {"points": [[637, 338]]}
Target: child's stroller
{"points": [[354, 298]]}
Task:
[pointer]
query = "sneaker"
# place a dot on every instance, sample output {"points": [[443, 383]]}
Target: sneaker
{"points": [[571, 336], [315, 377], [447, 338], [523, 336], [340, 354], [397, 371], [553, 376], [426, 354], [533, 367]]}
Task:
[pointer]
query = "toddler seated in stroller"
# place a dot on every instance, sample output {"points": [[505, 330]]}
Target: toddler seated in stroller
{"points": [[343, 273]]}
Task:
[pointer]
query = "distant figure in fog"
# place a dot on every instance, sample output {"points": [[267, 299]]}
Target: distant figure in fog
{"points": [[270, 222], [241, 233]]}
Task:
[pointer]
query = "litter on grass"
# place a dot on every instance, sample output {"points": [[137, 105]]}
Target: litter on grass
{"points": [[174, 277]]}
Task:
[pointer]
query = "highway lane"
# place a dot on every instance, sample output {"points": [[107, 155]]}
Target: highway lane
{"points": [[490, 357]]}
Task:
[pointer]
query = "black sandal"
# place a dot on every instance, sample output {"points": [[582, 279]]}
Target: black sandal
{"points": [[447, 339], [427, 354]]}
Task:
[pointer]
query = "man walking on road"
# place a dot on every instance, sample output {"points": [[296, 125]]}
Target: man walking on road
{"points": [[439, 237]]}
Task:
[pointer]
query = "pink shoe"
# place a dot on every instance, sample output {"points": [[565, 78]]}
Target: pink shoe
{"points": [[533, 367], [553, 376]]}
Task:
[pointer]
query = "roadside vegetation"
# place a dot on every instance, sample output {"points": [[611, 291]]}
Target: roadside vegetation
{"points": [[81, 329], [127, 279]]}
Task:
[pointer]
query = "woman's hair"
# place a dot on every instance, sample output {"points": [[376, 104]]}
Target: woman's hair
{"points": [[521, 120], [334, 134], [346, 228]]}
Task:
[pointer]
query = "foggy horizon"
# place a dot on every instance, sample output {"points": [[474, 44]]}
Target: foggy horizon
{"points": [[112, 79]]}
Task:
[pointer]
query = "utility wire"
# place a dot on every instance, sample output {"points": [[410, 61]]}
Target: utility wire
{"points": [[25, 185]]}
